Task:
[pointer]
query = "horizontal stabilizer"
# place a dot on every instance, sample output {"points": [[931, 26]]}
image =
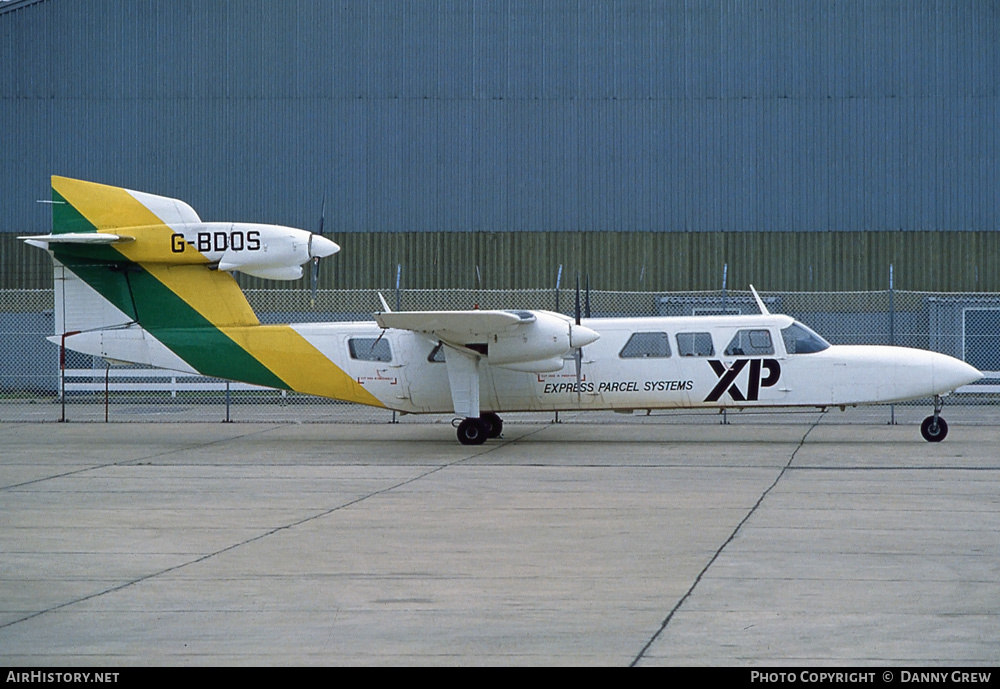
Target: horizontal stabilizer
{"points": [[131, 344], [93, 238]]}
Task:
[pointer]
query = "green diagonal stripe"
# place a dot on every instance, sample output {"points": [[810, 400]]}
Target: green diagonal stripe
{"points": [[66, 218], [166, 316]]}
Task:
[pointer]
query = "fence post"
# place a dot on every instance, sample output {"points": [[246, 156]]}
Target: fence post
{"points": [[892, 333], [62, 378], [62, 369], [399, 270], [558, 280], [107, 388], [725, 274]]}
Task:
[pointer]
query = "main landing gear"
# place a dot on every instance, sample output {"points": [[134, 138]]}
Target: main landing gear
{"points": [[934, 428], [475, 431]]}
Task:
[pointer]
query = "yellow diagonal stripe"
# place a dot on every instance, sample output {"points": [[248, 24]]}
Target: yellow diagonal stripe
{"points": [[297, 362]]}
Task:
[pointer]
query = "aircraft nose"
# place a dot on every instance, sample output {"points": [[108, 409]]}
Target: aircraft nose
{"points": [[581, 336], [320, 246], [951, 373]]}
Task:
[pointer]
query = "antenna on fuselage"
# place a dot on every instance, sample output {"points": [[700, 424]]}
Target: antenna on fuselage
{"points": [[760, 303]]}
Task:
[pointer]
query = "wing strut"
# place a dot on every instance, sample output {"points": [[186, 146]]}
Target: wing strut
{"points": [[463, 378]]}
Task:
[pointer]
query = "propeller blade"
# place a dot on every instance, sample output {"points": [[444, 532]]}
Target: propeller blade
{"points": [[578, 353], [577, 307], [578, 358], [314, 278], [319, 246]]}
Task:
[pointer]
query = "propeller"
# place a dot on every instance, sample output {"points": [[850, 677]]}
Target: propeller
{"points": [[579, 335], [578, 352], [317, 251]]}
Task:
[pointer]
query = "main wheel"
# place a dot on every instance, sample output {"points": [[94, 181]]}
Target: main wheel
{"points": [[473, 432], [495, 424], [934, 432]]}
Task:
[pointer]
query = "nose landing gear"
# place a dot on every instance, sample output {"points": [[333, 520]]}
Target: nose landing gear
{"points": [[934, 428]]}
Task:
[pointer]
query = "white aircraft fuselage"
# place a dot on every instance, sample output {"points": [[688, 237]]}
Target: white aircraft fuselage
{"points": [[839, 375]]}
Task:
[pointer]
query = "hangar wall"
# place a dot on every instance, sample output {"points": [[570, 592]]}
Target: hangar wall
{"points": [[563, 117], [643, 261]]}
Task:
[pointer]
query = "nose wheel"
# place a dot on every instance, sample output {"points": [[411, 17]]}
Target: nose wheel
{"points": [[934, 428]]}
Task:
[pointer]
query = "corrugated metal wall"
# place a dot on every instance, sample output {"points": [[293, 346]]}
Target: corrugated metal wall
{"points": [[670, 261], [675, 261], [521, 115]]}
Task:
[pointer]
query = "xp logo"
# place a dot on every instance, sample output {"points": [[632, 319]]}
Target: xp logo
{"points": [[755, 380]]}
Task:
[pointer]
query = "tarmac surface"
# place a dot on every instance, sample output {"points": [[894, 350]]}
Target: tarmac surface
{"points": [[799, 539]]}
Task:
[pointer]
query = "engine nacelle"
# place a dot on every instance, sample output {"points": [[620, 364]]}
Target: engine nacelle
{"points": [[541, 341], [544, 366], [271, 273], [268, 251], [175, 234]]}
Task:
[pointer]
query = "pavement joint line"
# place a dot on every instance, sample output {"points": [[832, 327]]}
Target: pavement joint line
{"points": [[253, 539], [909, 467], [131, 462], [936, 572], [666, 621]]}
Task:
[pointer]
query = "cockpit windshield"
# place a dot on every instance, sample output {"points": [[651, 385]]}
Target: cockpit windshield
{"points": [[801, 340]]}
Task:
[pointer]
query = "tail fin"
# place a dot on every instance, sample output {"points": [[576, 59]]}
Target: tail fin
{"points": [[79, 206], [141, 278], [130, 249], [155, 260], [137, 279]]}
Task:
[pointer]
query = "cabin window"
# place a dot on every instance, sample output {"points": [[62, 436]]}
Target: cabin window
{"points": [[751, 343], [801, 340], [437, 354], [369, 349], [646, 346], [695, 344]]}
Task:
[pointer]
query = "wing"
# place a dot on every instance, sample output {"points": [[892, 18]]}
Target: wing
{"points": [[528, 341], [459, 328], [521, 340]]}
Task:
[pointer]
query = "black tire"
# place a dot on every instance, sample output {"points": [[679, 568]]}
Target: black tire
{"points": [[934, 432], [495, 424], [473, 432]]}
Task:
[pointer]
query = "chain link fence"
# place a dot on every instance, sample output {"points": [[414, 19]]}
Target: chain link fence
{"points": [[966, 326]]}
